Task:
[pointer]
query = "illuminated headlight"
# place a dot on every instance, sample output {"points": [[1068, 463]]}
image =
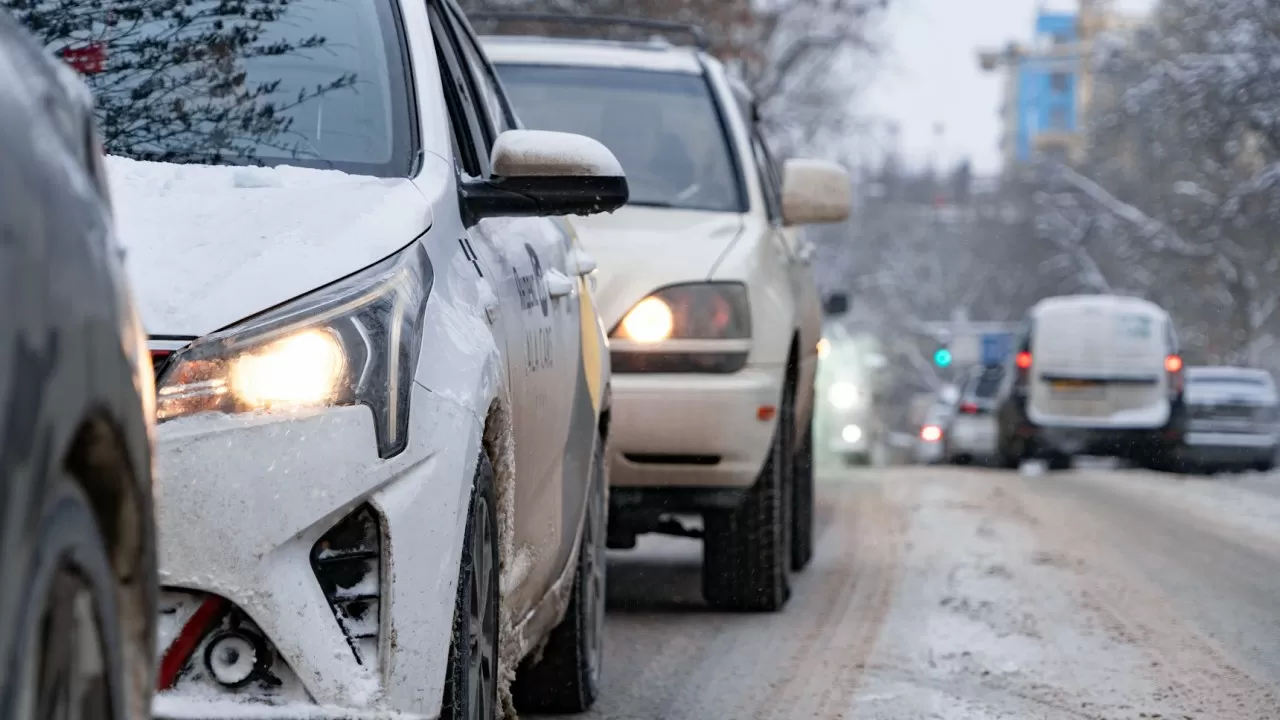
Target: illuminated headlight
{"points": [[851, 434], [695, 311], [824, 348], [842, 395], [355, 342]]}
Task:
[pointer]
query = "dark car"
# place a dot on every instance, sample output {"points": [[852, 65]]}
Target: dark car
{"points": [[77, 542], [1233, 419]]}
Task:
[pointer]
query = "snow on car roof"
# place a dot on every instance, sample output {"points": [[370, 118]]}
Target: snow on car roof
{"points": [[1100, 302], [513, 50]]}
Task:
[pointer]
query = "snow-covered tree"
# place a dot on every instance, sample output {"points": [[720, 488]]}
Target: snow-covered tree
{"points": [[1177, 199]]}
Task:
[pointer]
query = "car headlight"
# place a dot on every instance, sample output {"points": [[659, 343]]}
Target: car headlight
{"points": [[843, 395], [355, 342], [851, 434], [694, 311]]}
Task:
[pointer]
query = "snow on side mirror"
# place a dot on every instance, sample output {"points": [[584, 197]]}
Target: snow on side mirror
{"points": [[815, 191], [542, 173]]}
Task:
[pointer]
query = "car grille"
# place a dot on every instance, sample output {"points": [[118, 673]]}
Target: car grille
{"points": [[348, 563]]}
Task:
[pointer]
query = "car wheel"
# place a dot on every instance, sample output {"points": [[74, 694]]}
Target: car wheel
{"points": [[567, 677], [471, 681], [1059, 461], [745, 557], [802, 512], [73, 666]]}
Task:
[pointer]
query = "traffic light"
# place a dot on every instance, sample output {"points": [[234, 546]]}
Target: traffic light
{"points": [[942, 357]]}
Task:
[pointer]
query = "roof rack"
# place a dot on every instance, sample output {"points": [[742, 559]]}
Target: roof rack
{"points": [[693, 31]]}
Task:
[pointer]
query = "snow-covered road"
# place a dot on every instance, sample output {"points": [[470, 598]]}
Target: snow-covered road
{"points": [[961, 594]]}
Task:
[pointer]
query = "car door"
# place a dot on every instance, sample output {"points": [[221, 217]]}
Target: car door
{"points": [[799, 274], [528, 255], [569, 422]]}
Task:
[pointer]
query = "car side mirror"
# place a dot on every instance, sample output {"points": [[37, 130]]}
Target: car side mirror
{"points": [[538, 173], [835, 304], [815, 191]]}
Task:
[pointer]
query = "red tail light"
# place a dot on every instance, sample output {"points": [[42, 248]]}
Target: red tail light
{"points": [[968, 409], [1173, 365], [931, 433], [1023, 360]]}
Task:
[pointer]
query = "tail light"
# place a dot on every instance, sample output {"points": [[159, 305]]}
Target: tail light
{"points": [[968, 408], [1173, 366], [931, 433], [348, 563], [1023, 362]]}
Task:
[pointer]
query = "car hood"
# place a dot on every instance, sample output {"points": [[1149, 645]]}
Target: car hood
{"points": [[208, 246], [640, 249]]}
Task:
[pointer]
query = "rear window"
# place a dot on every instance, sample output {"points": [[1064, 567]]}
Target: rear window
{"points": [[1232, 381], [664, 127], [985, 384]]}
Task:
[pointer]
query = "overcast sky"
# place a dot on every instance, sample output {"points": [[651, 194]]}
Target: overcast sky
{"points": [[930, 74]]}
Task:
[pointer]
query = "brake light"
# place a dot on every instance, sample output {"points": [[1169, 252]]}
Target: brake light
{"points": [[931, 433], [1023, 360], [1173, 365], [969, 408]]}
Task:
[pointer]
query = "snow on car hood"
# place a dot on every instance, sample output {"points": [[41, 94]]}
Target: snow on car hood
{"points": [[640, 249], [208, 246]]}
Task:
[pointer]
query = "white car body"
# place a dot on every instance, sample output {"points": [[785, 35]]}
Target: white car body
{"points": [[706, 430], [512, 366], [1092, 375], [1106, 338]]}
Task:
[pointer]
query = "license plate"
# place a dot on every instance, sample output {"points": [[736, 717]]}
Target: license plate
{"points": [[1077, 389]]}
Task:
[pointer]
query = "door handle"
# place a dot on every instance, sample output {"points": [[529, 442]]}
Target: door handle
{"points": [[580, 263], [558, 284]]}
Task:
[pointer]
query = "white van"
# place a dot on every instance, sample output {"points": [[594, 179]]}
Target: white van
{"points": [[1096, 375]]}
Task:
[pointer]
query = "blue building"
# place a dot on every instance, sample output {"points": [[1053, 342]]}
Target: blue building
{"points": [[1046, 100]]}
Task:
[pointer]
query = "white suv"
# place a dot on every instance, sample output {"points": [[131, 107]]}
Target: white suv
{"points": [[382, 390], [705, 287]]}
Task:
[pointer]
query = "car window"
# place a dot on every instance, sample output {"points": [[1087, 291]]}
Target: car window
{"points": [[769, 184], [482, 75], [664, 127], [469, 124], [313, 83]]}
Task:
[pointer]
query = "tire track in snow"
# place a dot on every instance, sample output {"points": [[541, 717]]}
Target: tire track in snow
{"points": [[860, 567], [1198, 674]]}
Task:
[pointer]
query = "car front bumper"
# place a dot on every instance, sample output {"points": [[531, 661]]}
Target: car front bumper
{"points": [[692, 430], [241, 503]]}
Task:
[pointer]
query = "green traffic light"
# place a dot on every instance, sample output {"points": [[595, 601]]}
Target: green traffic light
{"points": [[942, 357]]}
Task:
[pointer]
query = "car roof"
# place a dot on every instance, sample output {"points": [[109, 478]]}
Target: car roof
{"points": [[1100, 302], [528, 50]]}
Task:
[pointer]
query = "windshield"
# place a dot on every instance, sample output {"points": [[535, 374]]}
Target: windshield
{"points": [[315, 83], [664, 127]]}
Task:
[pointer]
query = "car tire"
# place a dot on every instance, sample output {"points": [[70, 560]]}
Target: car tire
{"points": [[74, 657], [471, 680], [745, 550], [803, 495], [1059, 461], [567, 677]]}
